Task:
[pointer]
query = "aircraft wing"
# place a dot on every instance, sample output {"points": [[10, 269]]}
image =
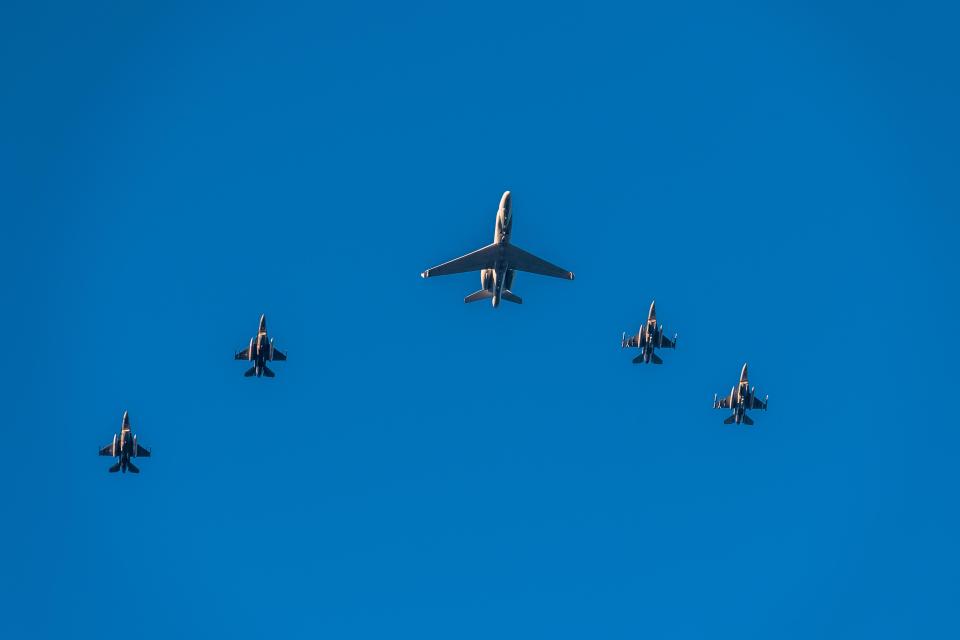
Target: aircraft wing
{"points": [[522, 260], [722, 403], [666, 343], [142, 452], [278, 355], [474, 261], [757, 403], [243, 354], [107, 450], [631, 341]]}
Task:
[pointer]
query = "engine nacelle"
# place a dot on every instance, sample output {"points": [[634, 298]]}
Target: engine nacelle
{"points": [[508, 279], [486, 279]]}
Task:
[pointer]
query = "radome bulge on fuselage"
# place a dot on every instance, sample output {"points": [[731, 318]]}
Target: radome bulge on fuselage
{"points": [[498, 262]]}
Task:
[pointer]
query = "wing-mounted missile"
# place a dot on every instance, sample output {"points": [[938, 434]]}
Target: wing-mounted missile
{"points": [[133, 450], [623, 340], [271, 348], [715, 402]]}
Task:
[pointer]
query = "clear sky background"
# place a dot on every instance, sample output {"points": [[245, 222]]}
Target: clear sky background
{"points": [[782, 179]]}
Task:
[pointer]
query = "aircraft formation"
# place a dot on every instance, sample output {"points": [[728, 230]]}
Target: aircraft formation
{"points": [[497, 263]]}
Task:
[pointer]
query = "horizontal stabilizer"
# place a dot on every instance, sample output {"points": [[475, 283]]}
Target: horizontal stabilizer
{"points": [[114, 468], [638, 359], [267, 372], [250, 372], [510, 296], [656, 359], [483, 294], [730, 420], [747, 420], [133, 468]]}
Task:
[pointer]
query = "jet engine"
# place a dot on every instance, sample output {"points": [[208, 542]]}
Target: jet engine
{"points": [[508, 280], [486, 279]]}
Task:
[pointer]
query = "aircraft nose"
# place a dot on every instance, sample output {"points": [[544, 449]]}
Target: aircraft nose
{"points": [[263, 322]]}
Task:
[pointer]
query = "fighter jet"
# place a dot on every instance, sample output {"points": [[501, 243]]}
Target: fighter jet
{"points": [[742, 397], [124, 447], [498, 262], [648, 338], [260, 351]]}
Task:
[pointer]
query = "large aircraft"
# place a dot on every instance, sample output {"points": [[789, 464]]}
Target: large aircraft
{"points": [[124, 447], [742, 398], [260, 352], [498, 262], [648, 338]]}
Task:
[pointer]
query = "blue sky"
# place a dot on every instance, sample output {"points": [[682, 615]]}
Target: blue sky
{"points": [[782, 179]]}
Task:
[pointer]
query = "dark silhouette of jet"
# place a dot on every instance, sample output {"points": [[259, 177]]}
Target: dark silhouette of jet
{"points": [[124, 447], [649, 338], [742, 398], [260, 352]]}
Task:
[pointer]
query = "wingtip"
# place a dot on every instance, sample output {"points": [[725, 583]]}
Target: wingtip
{"points": [[425, 274], [570, 275]]}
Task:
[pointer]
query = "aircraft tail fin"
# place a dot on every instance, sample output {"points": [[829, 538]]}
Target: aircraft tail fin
{"points": [[510, 296], [114, 468], [730, 419], [268, 372], [483, 294], [655, 359], [747, 420], [133, 468], [249, 372]]}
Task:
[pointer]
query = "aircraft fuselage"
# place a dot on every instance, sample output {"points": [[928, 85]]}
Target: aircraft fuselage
{"points": [[124, 447], [741, 398], [500, 277], [260, 348]]}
